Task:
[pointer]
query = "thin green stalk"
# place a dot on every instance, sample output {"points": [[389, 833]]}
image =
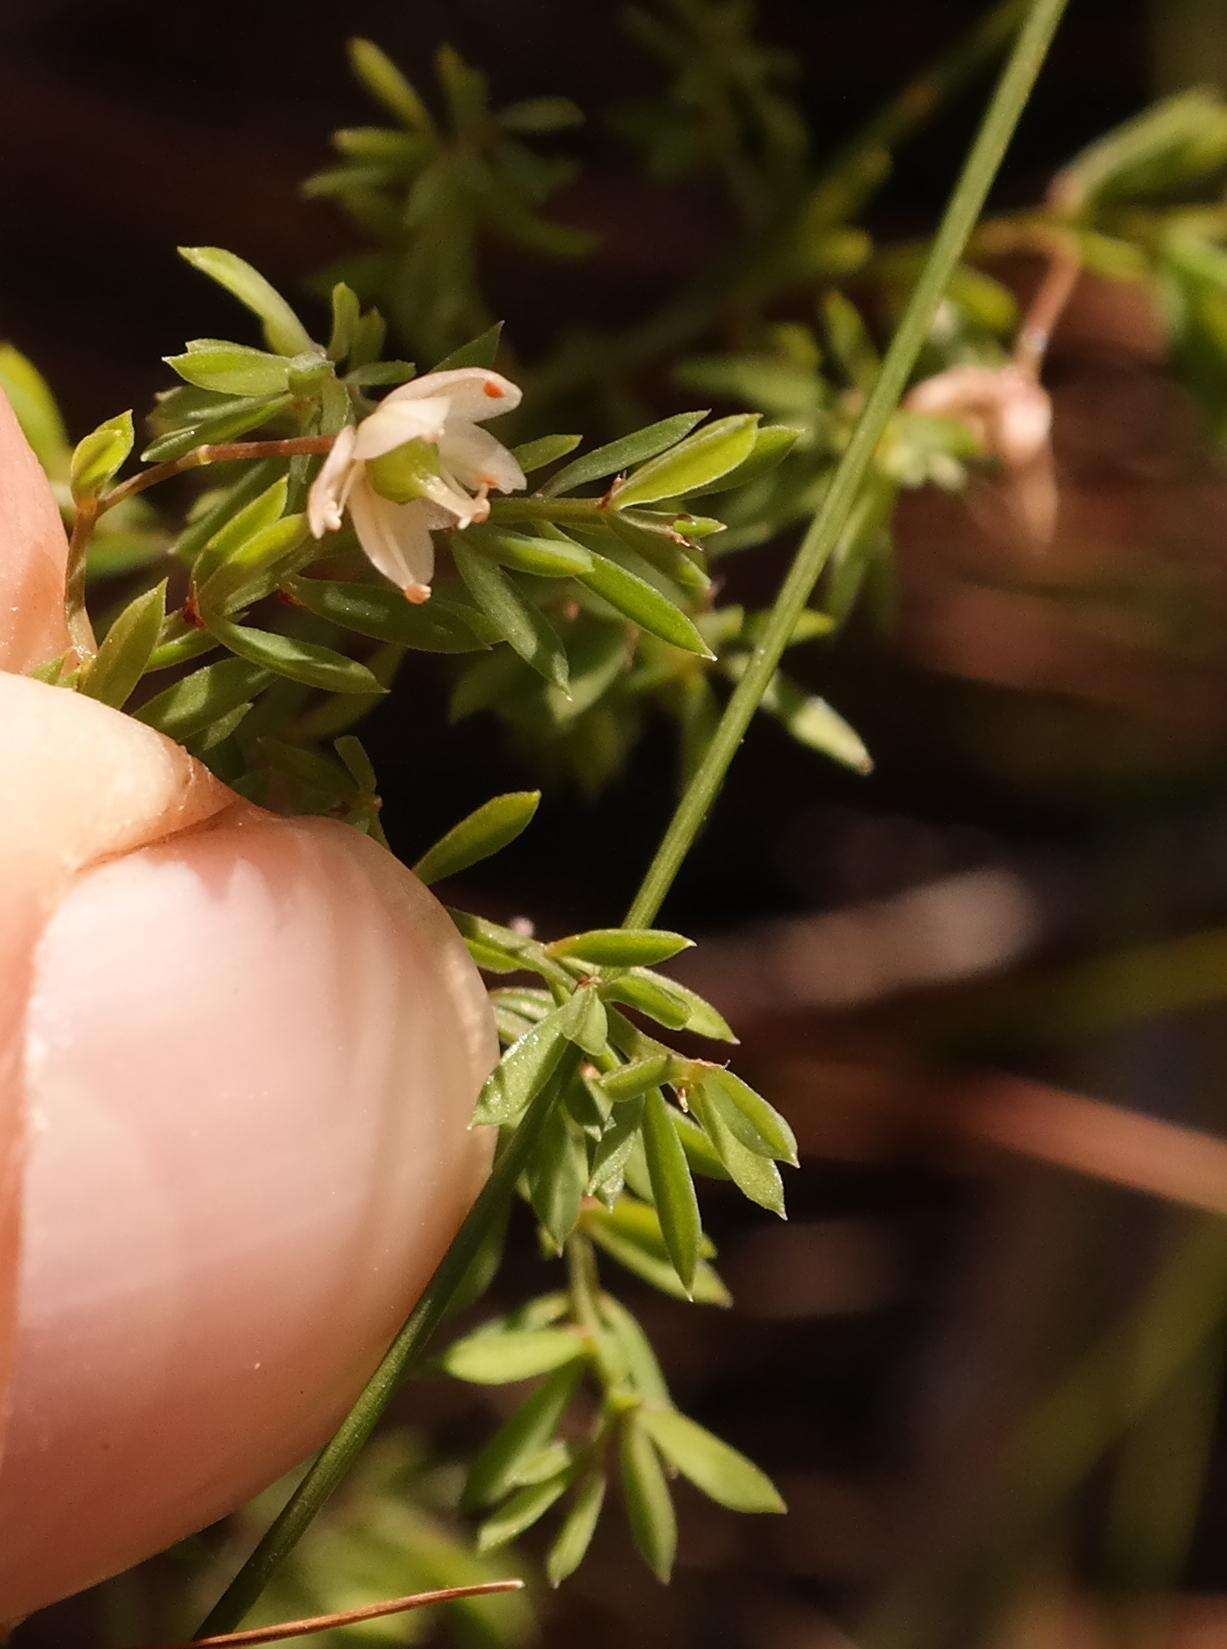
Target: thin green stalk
{"points": [[969, 196], [584, 1287], [332, 1465], [334, 1462]]}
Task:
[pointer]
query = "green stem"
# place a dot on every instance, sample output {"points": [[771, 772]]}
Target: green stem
{"points": [[584, 1287], [964, 208], [545, 509], [76, 615], [334, 1462], [332, 1465]]}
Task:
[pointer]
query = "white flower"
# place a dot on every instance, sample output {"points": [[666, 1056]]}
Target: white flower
{"points": [[1010, 414], [449, 485]]}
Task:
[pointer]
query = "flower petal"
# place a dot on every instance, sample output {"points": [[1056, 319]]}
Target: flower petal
{"points": [[475, 392], [478, 460], [328, 492], [396, 538], [391, 425]]}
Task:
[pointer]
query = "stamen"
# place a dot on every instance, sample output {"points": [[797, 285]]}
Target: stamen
{"points": [[416, 594], [493, 390]]}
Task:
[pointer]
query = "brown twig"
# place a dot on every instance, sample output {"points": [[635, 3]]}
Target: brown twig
{"points": [[1057, 284], [1048, 305], [227, 452], [346, 1617], [89, 510]]}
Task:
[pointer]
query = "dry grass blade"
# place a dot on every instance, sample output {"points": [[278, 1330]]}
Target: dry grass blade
{"points": [[346, 1617]]}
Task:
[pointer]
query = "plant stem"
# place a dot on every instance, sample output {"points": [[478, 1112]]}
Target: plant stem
{"points": [[584, 1288], [227, 452], [76, 614], [332, 1465], [964, 208], [545, 509], [354, 1617], [1063, 268]]}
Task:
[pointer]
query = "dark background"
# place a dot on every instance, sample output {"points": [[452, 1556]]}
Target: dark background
{"points": [[1055, 796]]}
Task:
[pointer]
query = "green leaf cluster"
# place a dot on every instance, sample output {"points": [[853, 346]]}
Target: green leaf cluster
{"points": [[602, 1409], [436, 184]]}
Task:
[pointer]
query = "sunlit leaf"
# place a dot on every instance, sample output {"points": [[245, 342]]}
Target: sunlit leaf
{"points": [[224, 423], [557, 1178], [643, 605], [302, 661], [701, 1154], [631, 1234], [649, 1505], [99, 455], [515, 952], [548, 449], [202, 698], [723, 1474], [629, 1081], [485, 831], [542, 557], [283, 330], [36, 409], [621, 947], [440, 625], [575, 1536], [810, 720], [771, 446], [124, 655], [254, 569], [672, 1187], [494, 1359], [479, 351], [232, 369], [532, 1425], [755, 1176], [758, 1125], [656, 997], [525, 627], [610, 1154], [585, 1022], [523, 1509], [636, 1349], [692, 465], [621, 454], [254, 516], [523, 1071]]}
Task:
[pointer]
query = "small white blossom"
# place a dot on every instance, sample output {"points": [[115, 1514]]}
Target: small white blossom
{"points": [[443, 411]]}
